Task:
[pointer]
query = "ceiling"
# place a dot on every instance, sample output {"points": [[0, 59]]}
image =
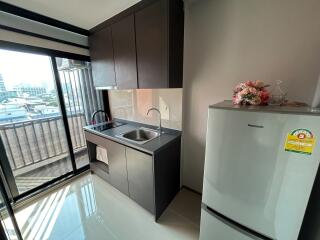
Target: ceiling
{"points": [[81, 13]]}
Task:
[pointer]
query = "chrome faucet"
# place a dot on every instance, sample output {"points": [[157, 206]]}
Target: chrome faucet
{"points": [[156, 109], [94, 114]]}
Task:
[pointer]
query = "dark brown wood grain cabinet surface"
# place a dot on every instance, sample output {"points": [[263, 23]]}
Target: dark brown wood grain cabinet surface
{"points": [[176, 39], [151, 180], [102, 60], [147, 43], [124, 48], [152, 45]]}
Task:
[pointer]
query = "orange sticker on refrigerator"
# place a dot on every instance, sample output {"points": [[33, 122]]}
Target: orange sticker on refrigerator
{"points": [[300, 141]]}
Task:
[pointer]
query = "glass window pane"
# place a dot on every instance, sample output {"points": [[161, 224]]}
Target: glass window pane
{"points": [[31, 126], [7, 222], [8, 230], [81, 100]]}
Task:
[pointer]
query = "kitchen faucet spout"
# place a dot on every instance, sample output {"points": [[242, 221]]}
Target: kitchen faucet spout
{"points": [[94, 114], [157, 110]]}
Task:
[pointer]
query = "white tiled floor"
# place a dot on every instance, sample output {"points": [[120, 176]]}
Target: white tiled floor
{"points": [[89, 208]]}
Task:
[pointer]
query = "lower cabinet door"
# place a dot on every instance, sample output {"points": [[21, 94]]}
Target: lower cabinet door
{"points": [[213, 228], [140, 177], [117, 166]]}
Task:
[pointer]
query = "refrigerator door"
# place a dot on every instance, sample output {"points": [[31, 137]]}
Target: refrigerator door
{"points": [[214, 228], [250, 178]]}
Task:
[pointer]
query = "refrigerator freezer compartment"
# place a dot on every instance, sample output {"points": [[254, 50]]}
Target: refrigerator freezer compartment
{"points": [[215, 227]]}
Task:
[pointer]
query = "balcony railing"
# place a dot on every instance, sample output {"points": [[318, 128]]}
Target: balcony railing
{"points": [[36, 143], [37, 150]]}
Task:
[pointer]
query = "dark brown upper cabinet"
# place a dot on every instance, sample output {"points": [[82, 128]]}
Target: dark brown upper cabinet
{"points": [[152, 45], [124, 48], [147, 47], [101, 53]]}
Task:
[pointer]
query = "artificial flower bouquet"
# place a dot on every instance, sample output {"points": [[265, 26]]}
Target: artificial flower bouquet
{"points": [[251, 93]]}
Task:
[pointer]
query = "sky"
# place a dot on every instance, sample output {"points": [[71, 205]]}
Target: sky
{"points": [[25, 68]]}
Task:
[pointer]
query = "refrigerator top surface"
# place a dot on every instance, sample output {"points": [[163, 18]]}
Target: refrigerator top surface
{"points": [[228, 105]]}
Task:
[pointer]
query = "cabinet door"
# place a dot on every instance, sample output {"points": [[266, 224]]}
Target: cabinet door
{"points": [[124, 47], [101, 52], [117, 166], [140, 177], [152, 45]]}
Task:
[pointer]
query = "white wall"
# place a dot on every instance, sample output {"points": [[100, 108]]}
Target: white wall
{"points": [[228, 41]]}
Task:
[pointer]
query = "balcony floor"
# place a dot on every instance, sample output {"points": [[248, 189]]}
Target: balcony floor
{"points": [[38, 176]]}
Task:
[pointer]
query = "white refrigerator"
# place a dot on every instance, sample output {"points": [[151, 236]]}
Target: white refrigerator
{"points": [[260, 167]]}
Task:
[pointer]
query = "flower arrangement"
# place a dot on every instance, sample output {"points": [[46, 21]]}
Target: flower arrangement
{"points": [[251, 93]]}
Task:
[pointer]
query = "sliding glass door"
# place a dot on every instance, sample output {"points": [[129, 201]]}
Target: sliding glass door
{"points": [[32, 130], [81, 101], [45, 102]]}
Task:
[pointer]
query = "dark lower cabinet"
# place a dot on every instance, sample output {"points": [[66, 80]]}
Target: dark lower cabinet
{"points": [[150, 180], [140, 178], [115, 172], [117, 166]]}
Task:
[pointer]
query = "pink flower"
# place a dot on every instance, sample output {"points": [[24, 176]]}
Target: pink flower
{"points": [[239, 87], [264, 95], [250, 83], [255, 100], [244, 92], [259, 84], [251, 92], [237, 99]]}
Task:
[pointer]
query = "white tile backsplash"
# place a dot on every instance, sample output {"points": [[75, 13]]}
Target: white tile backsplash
{"points": [[133, 105]]}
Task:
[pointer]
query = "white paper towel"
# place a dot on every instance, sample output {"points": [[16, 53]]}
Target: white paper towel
{"points": [[102, 155]]}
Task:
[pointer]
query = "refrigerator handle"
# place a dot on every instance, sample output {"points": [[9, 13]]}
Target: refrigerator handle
{"points": [[234, 225], [255, 126]]}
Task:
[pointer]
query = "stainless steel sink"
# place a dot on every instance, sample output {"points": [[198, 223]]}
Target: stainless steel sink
{"points": [[140, 135]]}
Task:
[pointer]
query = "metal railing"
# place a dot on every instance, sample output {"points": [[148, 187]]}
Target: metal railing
{"points": [[36, 143], [79, 92], [32, 142]]}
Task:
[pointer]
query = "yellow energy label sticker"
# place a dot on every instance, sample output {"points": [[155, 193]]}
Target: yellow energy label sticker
{"points": [[300, 141]]}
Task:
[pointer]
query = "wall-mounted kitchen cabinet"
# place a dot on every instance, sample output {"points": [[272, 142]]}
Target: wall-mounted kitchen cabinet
{"points": [[147, 47], [124, 48], [101, 52], [159, 43]]}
